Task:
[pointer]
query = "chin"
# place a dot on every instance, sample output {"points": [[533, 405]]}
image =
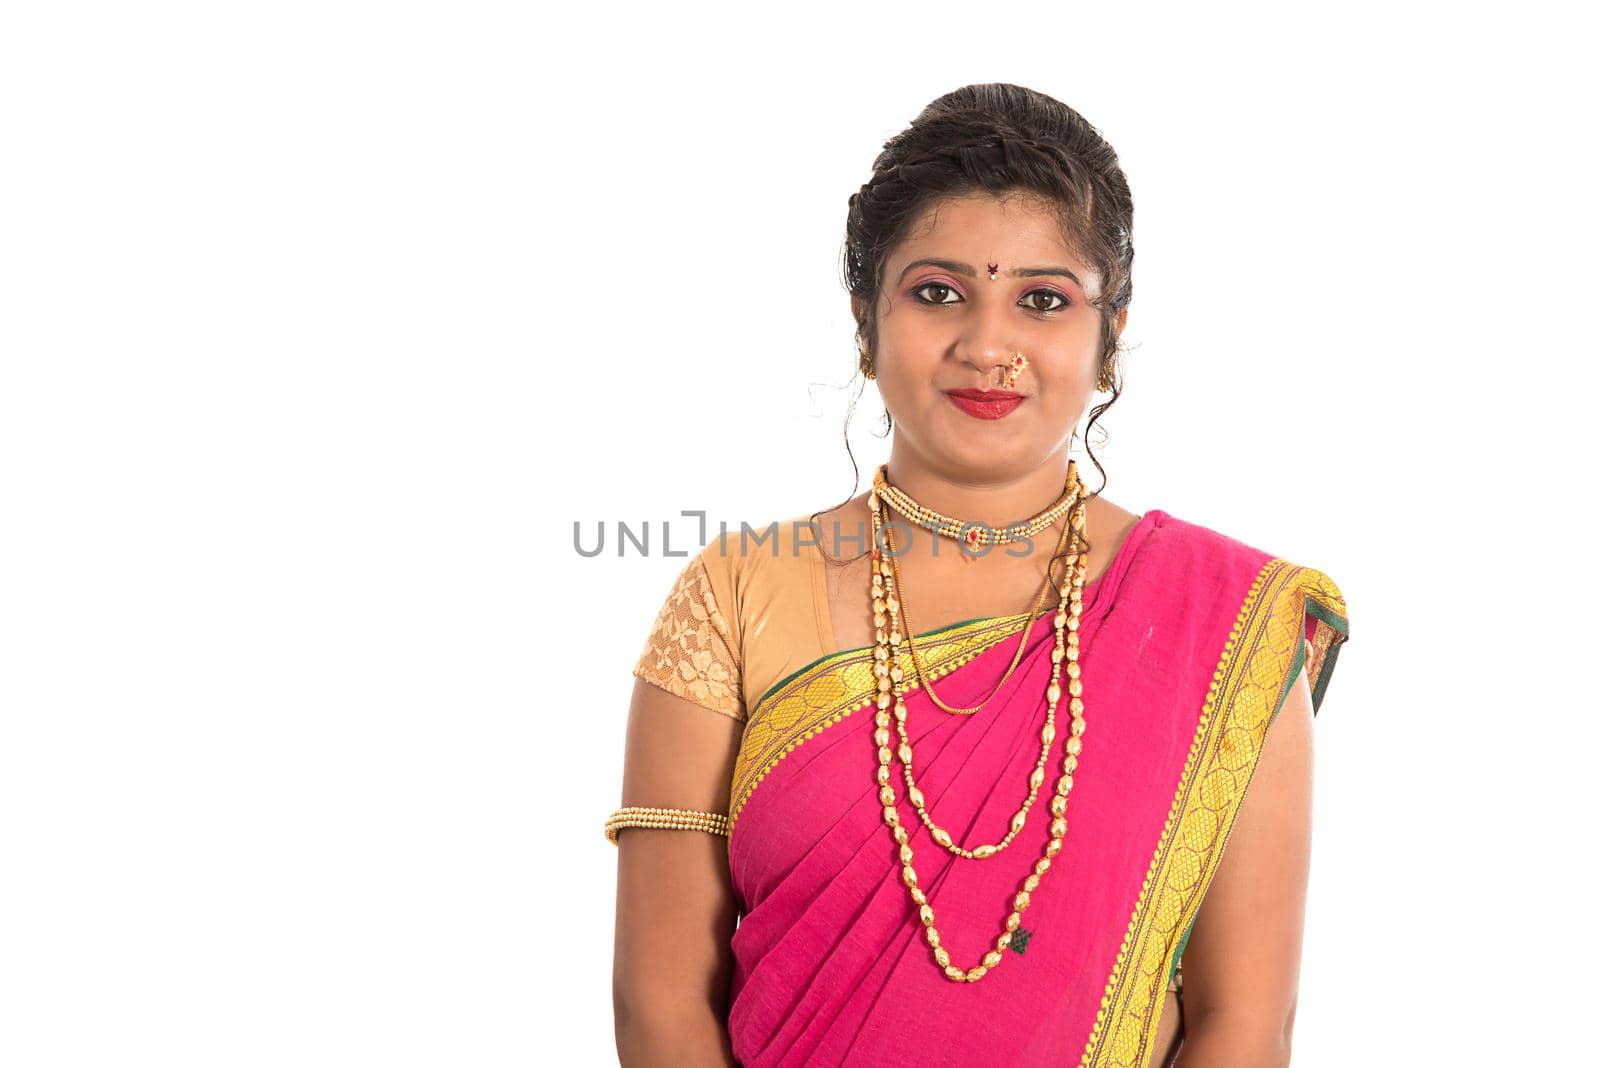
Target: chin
{"points": [[974, 460]]}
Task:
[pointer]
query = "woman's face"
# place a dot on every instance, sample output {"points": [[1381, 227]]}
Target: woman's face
{"points": [[944, 325]]}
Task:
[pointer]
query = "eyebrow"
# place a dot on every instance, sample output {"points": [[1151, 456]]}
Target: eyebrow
{"points": [[968, 270]]}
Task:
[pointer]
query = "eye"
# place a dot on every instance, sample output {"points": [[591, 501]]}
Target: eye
{"points": [[1045, 293], [935, 285]]}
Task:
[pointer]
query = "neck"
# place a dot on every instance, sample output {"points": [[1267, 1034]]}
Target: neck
{"points": [[979, 497]]}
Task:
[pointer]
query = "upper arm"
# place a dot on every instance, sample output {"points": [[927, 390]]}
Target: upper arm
{"points": [[675, 904], [675, 911], [1242, 963]]}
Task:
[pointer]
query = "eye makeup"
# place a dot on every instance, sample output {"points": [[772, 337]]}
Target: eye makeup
{"points": [[1023, 301]]}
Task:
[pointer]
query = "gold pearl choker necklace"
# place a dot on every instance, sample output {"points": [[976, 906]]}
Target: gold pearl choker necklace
{"points": [[972, 535]]}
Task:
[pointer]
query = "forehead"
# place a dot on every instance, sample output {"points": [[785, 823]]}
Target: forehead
{"points": [[1019, 227]]}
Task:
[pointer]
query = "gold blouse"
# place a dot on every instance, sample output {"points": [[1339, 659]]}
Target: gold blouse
{"points": [[749, 609]]}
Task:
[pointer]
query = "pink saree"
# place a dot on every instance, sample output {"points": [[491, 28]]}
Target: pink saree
{"points": [[1190, 641]]}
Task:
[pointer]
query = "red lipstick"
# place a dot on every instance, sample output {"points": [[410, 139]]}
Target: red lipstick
{"points": [[985, 403]]}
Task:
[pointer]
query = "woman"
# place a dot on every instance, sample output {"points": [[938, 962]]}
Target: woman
{"points": [[988, 835]]}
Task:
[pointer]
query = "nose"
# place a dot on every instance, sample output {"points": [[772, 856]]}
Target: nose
{"points": [[987, 348], [991, 362]]}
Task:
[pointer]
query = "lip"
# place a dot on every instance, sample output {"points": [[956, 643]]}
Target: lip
{"points": [[985, 403]]}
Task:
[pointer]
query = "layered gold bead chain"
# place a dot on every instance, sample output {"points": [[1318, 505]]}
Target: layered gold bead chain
{"points": [[881, 483], [890, 673]]}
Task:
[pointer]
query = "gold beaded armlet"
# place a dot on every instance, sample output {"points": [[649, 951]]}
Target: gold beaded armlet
{"points": [[672, 819]]}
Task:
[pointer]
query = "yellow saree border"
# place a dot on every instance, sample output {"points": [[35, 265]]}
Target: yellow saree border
{"points": [[1261, 658], [830, 688]]}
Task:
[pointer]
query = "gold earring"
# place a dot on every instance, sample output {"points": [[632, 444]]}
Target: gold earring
{"points": [[1107, 380], [867, 369]]}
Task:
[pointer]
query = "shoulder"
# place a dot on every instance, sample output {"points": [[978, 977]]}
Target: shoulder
{"points": [[750, 567], [1282, 591], [1200, 546], [1186, 547], [1185, 550], [740, 553]]}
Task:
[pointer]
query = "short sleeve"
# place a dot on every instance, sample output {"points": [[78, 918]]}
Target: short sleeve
{"points": [[691, 649]]}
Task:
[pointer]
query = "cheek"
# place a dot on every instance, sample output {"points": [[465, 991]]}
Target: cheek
{"points": [[1077, 359], [1080, 375], [908, 366], [1067, 370]]}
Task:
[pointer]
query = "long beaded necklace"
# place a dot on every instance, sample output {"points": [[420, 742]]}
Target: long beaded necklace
{"points": [[881, 483], [890, 673], [882, 532], [1020, 819]]}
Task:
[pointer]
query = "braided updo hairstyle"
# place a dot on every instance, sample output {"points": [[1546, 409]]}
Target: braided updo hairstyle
{"points": [[997, 138]]}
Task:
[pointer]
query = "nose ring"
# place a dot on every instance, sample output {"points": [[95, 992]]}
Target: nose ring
{"points": [[1015, 368]]}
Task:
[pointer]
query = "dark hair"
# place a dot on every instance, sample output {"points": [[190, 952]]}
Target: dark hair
{"points": [[997, 138]]}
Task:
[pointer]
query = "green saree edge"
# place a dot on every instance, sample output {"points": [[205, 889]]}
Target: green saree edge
{"points": [[757, 758], [858, 650]]}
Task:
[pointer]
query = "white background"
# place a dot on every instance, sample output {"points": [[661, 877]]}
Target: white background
{"points": [[323, 324]]}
